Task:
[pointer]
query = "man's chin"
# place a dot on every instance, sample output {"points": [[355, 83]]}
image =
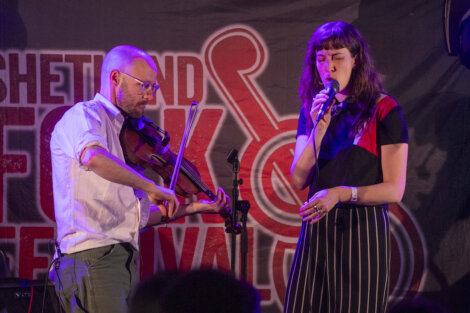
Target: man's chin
{"points": [[136, 114]]}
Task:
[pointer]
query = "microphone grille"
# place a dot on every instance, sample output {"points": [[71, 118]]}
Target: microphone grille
{"points": [[332, 84]]}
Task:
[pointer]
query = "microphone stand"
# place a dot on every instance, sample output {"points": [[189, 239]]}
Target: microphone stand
{"points": [[243, 207], [232, 158]]}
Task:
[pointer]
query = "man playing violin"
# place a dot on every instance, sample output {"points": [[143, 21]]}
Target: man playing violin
{"points": [[100, 202]]}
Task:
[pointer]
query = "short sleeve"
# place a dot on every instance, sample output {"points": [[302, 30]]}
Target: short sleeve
{"points": [[302, 125], [144, 208], [80, 127], [392, 127]]}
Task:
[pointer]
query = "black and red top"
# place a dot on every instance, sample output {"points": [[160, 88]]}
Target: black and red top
{"points": [[354, 160]]}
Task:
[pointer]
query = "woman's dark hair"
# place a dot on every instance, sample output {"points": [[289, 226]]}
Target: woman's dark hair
{"points": [[364, 86]]}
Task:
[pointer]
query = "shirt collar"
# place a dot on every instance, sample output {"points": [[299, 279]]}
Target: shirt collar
{"points": [[338, 107], [111, 109]]}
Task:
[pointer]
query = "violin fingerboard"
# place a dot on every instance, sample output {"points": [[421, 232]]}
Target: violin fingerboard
{"points": [[209, 193]]}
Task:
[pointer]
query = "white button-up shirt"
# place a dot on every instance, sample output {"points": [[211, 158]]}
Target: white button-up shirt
{"points": [[91, 211]]}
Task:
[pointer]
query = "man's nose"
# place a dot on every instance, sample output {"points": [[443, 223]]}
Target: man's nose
{"points": [[148, 95]]}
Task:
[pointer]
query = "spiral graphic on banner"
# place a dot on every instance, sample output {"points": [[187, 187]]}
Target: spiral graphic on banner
{"points": [[409, 254]]}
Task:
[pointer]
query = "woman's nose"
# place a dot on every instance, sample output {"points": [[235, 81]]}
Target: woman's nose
{"points": [[331, 66]]}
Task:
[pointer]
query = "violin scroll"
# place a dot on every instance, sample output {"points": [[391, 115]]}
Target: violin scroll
{"points": [[231, 226]]}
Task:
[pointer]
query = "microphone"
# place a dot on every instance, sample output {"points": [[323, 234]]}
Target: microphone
{"points": [[332, 87]]}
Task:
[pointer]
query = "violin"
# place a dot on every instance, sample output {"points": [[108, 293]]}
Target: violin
{"points": [[145, 146]]}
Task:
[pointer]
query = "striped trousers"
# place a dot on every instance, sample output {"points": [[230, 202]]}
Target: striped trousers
{"points": [[342, 263]]}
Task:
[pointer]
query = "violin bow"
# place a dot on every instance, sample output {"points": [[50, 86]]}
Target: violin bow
{"points": [[187, 129], [179, 157], [230, 225]]}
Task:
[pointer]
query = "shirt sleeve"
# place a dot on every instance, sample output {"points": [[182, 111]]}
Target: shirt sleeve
{"points": [[144, 207], [392, 127], [81, 127], [302, 125]]}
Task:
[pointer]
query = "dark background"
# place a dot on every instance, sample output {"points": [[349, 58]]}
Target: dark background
{"points": [[407, 39]]}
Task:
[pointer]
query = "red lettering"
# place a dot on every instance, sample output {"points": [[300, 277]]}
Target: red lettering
{"points": [[167, 244], [235, 81], [28, 260], [186, 79], [78, 83], [166, 80], [215, 249], [16, 78], [3, 86], [45, 172], [12, 163], [7, 232], [47, 78]]}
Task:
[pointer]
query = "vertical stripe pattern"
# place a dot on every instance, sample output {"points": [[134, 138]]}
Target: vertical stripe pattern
{"points": [[342, 263]]}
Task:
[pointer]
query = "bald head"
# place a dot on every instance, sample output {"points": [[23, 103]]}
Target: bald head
{"points": [[126, 75], [122, 58]]}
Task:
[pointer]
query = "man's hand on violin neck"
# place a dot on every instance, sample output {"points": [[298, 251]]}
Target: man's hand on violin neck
{"points": [[220, 204]]}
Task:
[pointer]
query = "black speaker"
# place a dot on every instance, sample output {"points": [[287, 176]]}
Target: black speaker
{"points": [[23, 296], [465, 41], [454, 13]]}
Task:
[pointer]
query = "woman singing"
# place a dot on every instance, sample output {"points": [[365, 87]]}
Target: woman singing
{"points": [[354, 162]]}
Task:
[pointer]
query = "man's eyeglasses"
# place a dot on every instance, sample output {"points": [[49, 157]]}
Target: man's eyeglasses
{"points": [[146, 86]]}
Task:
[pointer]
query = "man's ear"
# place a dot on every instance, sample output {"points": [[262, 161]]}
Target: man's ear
{"points": [[114, 77]]}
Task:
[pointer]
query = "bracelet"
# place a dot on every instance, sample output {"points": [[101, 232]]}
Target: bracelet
{"points": [[353, 194]]}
